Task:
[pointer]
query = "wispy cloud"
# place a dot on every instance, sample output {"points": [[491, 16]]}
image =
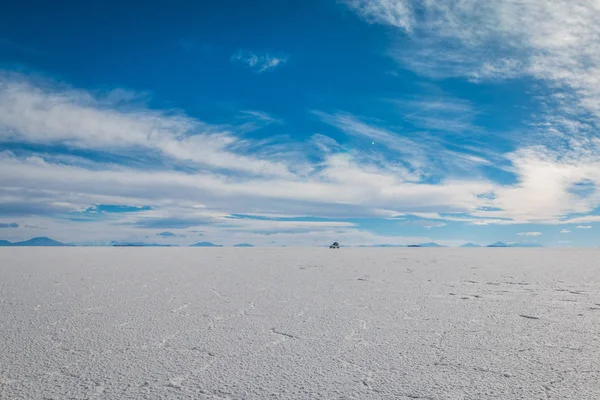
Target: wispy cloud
{"points": [[554, 43], [435, 225], [362, 180], [439, 113], [565, 231], [261, 225], [50, 114], [392, 12], [259, 61], [529, 234], [217, 168], [584, 227], [415, 159], [497, 39], [426, 220], [260, 115]]}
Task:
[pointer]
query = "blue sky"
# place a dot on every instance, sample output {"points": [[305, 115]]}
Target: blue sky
{"points": [[300, 122]]}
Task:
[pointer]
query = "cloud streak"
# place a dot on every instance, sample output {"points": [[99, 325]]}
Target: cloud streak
{"points": [[554, 44], [48, 114], [397, 13], [259, 61]]}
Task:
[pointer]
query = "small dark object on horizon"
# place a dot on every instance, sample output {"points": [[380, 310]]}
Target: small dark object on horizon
{"points": [[335, 245]]}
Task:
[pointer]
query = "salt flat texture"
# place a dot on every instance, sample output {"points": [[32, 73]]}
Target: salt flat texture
{"points": [[156, 323]]}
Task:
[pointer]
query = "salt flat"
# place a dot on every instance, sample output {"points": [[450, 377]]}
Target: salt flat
{"points": [[191, 323]]}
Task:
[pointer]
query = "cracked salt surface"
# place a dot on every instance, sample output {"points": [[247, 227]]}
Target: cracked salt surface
{"points": [[129, 323]]}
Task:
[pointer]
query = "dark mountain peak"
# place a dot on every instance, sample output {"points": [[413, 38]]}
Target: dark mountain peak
{"points": [[39, 241], [205, 244]]}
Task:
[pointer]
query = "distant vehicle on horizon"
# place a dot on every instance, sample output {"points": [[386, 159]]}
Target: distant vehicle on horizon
{"points": [[335, 245]]}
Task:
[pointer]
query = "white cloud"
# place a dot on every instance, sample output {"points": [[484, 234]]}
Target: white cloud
{"points": [[45, 113], [413, 153], [565, 231], [342, 183], [557, 44], [582, 220], [392, 12], [548, 40], [554, 42], [223, 174], [584, 227], [49, 114], [545, 180], [438, 113], [257, 225], [491, 221], [529, 233], [435, 225], [259, 62], [421, 158]]}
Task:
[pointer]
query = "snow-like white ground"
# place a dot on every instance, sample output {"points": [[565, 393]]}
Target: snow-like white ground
{"points": [[197, 323]]}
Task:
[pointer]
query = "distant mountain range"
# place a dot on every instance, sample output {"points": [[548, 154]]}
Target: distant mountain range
{"points": [[37, 241], [139, 244], [431, 244], [205, 244], [498, 244], [383, 245], [502, 244], [45, 241], [472, 245]]}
